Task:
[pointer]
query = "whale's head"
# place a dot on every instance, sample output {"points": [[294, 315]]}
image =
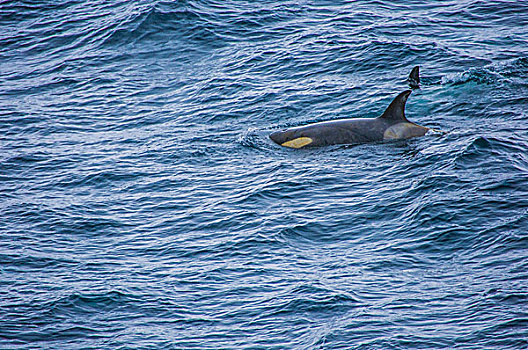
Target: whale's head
{"points": [[290, 138], [280, 136]]}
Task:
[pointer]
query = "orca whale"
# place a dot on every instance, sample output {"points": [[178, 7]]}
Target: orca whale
{"points": [[414, 78], [391, 125]]}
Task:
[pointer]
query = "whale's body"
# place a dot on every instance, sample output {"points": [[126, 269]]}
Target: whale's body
{"points": [[391, 125]]}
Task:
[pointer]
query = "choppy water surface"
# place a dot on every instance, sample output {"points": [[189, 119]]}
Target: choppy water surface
{"points": [[143, 205]]}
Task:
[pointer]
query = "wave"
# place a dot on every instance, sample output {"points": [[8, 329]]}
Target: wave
{"points": [[310, 299], [81, 29], [164, 23], [512, 72]]}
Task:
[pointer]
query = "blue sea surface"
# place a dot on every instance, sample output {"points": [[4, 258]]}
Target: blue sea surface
{"points": [[143, 205]]}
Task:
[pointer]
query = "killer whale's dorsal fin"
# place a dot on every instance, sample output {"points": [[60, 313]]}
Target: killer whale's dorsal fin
{"points": [[396, 110], [414, 78]]}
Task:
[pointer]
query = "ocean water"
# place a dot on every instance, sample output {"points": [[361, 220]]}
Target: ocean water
{"points": [[143, 206]]}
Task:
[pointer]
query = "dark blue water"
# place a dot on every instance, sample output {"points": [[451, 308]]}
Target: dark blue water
{"points": [[143, 205]]}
